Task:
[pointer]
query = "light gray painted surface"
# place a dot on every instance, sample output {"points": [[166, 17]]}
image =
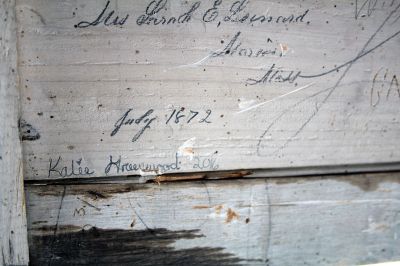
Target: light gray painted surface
{"points": [[78, 82], [13, 236]]}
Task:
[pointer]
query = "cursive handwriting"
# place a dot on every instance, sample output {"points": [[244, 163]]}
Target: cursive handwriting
{"points": [[156, 13], [76, 169], [363, 52], [212, 13], [238, 14], [105, 17], [275, 75], [234, 47], [367, 7], [122, 167], [205, 163], [153, 16], [144, 120], [118, 166]]}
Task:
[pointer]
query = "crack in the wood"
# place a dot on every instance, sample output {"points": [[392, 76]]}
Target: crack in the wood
{"points": [[268, 241], [57, 221]]}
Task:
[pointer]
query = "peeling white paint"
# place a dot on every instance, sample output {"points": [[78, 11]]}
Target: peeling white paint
{"points": [[186, 149]]}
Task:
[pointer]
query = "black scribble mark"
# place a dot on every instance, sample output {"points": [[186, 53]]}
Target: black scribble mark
{"points": [[209, 203], [386, 73], [140, 218], [385, 84], [89, 204], [394, 21], [372, 91], [349, 64], [370, 8], [10, 248], [39, 15], [79, 212], [287, 110], [395, 82], [96, 195]]}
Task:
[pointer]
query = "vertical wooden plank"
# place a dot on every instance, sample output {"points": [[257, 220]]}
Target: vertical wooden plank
{"points": [[13, 235]]}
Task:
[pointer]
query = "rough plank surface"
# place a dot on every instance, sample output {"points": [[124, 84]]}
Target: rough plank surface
{"points": [[183, 86], [13, 235], [331, 220]]}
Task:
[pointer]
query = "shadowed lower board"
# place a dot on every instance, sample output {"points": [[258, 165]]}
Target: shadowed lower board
{"points": [[331, 220], [124, 247]]}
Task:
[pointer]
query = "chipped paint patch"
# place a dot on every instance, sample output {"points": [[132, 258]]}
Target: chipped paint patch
{"points": [[149, 173], [245, 104], [218, 209], [224, 213], [284, 48], [376, 228], [186, 149], [231, 215]]}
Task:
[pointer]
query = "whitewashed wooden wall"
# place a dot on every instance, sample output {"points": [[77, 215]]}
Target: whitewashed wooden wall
{"points": [[339, 106], [109, 94], [13, 234]]}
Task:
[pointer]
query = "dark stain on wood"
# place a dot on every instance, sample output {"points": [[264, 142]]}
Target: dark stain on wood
{"points": [[27, 131], [92, 191], [50, 229], [202, 175], [122, 247], [366, 182], [96, 195], [105, 191], [39, 222], [369, 182], [102, 191]]}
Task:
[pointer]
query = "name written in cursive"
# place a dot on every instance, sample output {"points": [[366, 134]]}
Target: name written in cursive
{"points": [[157, 13], [76, 168], [238, 13], [153, 16], [119, 167]]}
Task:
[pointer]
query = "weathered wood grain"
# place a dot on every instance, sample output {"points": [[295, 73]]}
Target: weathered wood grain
{"points": [[339, 107], [13, 234], [331, 220]]}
